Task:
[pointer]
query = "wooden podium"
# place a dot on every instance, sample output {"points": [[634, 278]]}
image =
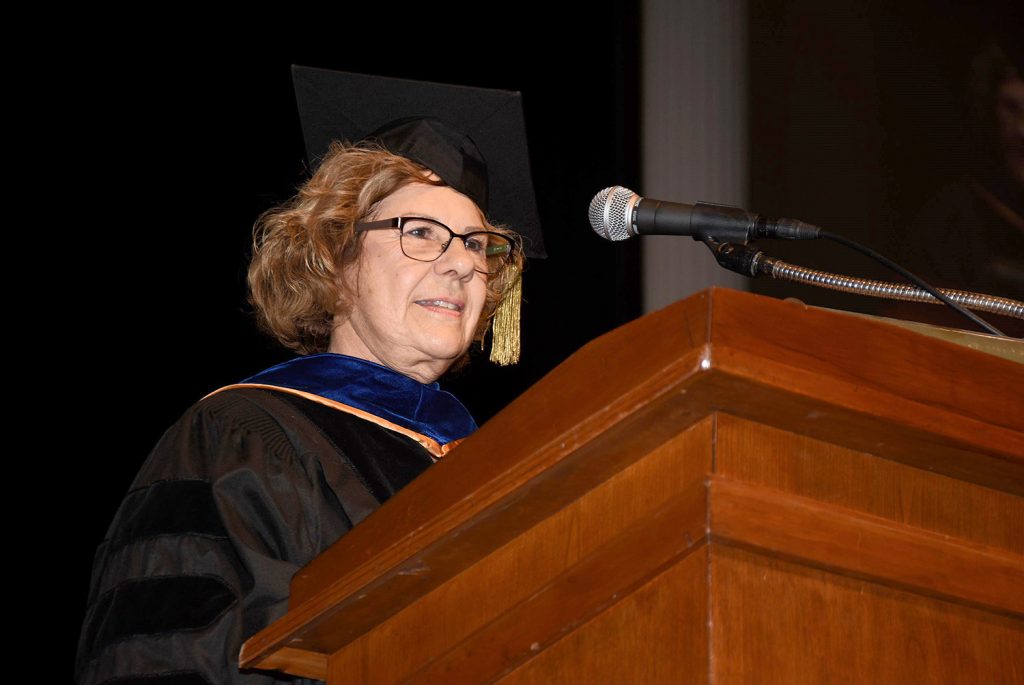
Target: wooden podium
{"points": [[733, 489]]}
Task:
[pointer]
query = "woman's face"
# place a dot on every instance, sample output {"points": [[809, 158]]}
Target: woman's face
{"points": [[414, 317]]}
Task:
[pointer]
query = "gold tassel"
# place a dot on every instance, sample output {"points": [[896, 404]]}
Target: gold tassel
{"points": [[505, 324]]}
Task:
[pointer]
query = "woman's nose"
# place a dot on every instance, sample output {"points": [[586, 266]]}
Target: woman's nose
{"points": [[456, 258]]}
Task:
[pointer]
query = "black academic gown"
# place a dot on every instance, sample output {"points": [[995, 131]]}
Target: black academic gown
{"points": [[247, 487]]}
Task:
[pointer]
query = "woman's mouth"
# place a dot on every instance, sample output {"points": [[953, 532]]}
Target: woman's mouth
{"points": [[443, 304]]}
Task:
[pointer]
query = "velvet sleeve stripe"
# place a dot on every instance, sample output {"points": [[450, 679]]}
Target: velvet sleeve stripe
{"points": [[160, 679], [150, 606], [169, 507]]}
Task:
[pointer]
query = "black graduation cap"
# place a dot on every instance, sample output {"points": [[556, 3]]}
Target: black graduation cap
{"points": [[473, 138]]}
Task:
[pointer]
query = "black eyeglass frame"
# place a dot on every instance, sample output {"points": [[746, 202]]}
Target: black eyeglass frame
{"points": [[398, 222]]}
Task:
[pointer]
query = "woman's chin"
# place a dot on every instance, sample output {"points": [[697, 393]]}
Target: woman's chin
{"points": [[444, 349]]}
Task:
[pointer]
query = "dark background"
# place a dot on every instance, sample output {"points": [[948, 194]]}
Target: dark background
{"points": [[859, 116], [166, 140]]}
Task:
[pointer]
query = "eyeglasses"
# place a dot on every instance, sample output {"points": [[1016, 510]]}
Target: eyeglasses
{"points": [[426, 239]]}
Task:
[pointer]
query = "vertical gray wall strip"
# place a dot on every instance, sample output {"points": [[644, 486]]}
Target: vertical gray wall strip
{"points": [[694, 131]]}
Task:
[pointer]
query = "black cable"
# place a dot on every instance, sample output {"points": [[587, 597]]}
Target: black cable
{"points": [[893, 266]]}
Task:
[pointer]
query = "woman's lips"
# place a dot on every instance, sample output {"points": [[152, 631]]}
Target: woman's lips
{"points": [[445, 305]]}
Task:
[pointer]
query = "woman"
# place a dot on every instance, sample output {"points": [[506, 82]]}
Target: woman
{"points": [[382, 271]]}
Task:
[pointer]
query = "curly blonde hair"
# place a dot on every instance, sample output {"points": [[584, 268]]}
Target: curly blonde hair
{"points": [[301, 248]]}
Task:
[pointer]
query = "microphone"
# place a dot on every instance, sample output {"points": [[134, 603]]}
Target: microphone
{"points": [[618, 213]]}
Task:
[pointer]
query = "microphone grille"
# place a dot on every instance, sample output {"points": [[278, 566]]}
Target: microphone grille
{"points": [[610, 213]]}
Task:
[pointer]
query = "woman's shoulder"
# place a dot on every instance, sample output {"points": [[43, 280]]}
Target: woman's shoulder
{"points": [[273, 429], [224, 429], [238, 406]]}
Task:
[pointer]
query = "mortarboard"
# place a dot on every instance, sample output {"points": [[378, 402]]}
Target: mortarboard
{"points": [[473, 138]]}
